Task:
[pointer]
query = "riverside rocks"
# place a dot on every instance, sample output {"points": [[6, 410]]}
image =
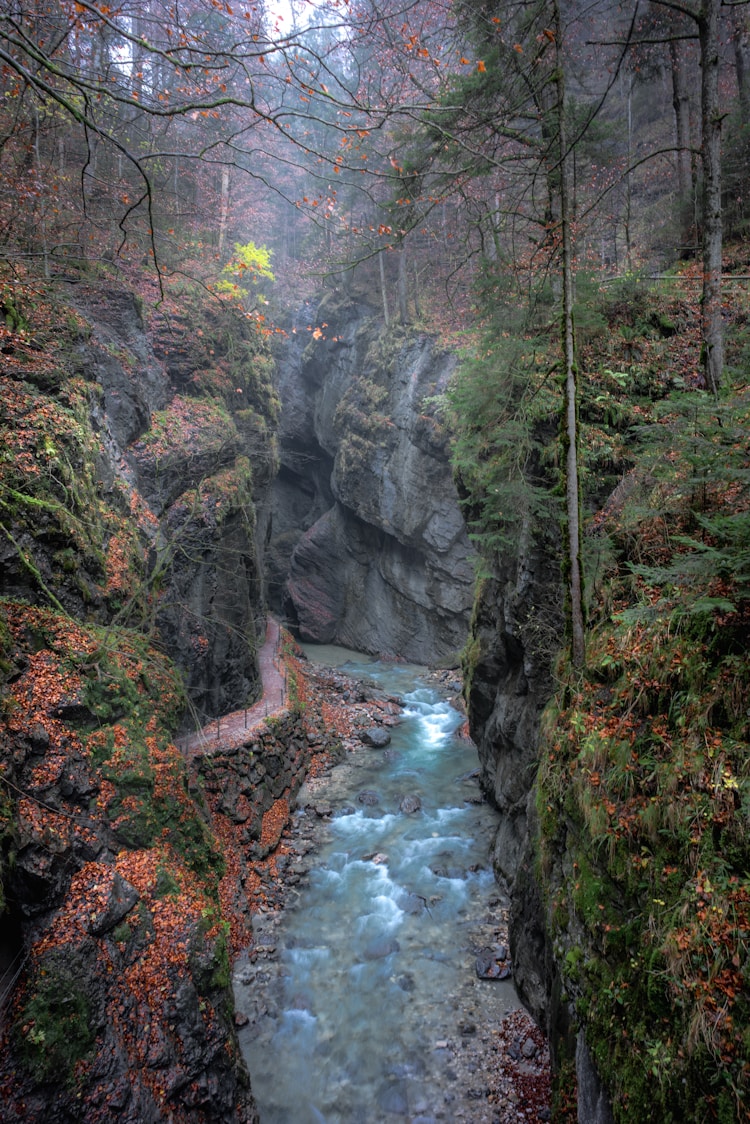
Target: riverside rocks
{"points": [[376, 737], [493, 963]]}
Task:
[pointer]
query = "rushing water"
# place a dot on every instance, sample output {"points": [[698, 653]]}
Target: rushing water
{"points": [[373, 975]]}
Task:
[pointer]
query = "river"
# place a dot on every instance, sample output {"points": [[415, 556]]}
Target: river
{"points": [[365, 1004]]}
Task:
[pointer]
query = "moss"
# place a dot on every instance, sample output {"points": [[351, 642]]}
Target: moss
{"points": [[122, 933], [53, 1029], [7, 838], [209, 955], [166, 883], [144, 814], [658, 899]]}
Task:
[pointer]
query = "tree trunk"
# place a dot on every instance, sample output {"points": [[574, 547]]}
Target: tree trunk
{"points": [[403, 309], [572, 486], [711, 115], [42, 228], [224, 207], [629, 176], [681, 104], [383, 289]]}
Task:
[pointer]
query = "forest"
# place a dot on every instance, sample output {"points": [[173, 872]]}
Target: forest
{"points": [[558, 193]]}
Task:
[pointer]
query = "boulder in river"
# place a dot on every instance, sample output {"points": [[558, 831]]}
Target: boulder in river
{"points": [[368, 797], [410, 804], [376, 737], [380, 947], [493, 963]]}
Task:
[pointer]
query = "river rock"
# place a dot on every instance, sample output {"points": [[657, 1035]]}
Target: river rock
{"points": [[368, 797], [410, 804], [376, 857], [412, 903], [394, 1100], [376, 737], [492, 964], [380, 947]]}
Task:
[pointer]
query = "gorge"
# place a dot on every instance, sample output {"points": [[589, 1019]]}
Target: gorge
{"points": [[174, 465], [423, 330], [166, 490]]}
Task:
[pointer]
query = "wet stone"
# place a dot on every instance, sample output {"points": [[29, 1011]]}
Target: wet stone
{"points": [[410, 804], [394, 1099], [380, 947], [412, 903], [493, 964], [368, 798], [375, 737]]}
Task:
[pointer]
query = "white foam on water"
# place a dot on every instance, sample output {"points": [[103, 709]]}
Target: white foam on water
{"points": [[446, 882], [447, 816], [360, 826], [383, 916], [437, 842], [436, 722], [307, 958], [296, 1029], [323, 876]]}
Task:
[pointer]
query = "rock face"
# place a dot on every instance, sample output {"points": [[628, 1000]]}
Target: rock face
{"points": [[183, 422], [148, 504], [133, 502], [369, 547], [515, 631]]}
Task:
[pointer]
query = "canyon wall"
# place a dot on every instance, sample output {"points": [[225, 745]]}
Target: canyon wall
{"points": [[369, 548], [132, 505]]}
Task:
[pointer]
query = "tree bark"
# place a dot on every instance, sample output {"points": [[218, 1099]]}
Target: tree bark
{"points": [[572, 486], [417, 307], [681, 104], [383, 290], [403, 310], [223, 207], [711, 117]]}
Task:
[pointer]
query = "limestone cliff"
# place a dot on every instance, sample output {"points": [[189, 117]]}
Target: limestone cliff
{"points": [[137, 451], [366, 519], [141, 503]]}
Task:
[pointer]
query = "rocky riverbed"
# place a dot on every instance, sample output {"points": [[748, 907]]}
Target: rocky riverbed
{"points": [[484, 1059]]}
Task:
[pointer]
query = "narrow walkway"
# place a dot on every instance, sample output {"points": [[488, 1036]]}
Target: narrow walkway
{"points": [[234, 729]]}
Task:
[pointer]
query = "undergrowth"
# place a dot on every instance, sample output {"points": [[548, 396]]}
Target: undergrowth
{"points": [[644, 781], [643, 790]]}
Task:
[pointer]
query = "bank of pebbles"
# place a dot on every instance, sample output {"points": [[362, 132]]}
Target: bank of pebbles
{"points": [[490, 1074]]}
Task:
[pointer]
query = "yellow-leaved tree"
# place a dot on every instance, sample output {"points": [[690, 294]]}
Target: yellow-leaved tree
{"points": [[242, 276]]}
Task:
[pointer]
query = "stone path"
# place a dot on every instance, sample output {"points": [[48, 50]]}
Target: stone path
{"points": [[234, 729]]}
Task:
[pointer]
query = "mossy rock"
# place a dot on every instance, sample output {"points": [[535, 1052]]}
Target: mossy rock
{"points": [[53, 1030]]}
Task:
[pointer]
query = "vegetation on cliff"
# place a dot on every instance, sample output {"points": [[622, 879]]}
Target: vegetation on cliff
{"points": [[124, 447], [643, 791], [644, 786]]}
